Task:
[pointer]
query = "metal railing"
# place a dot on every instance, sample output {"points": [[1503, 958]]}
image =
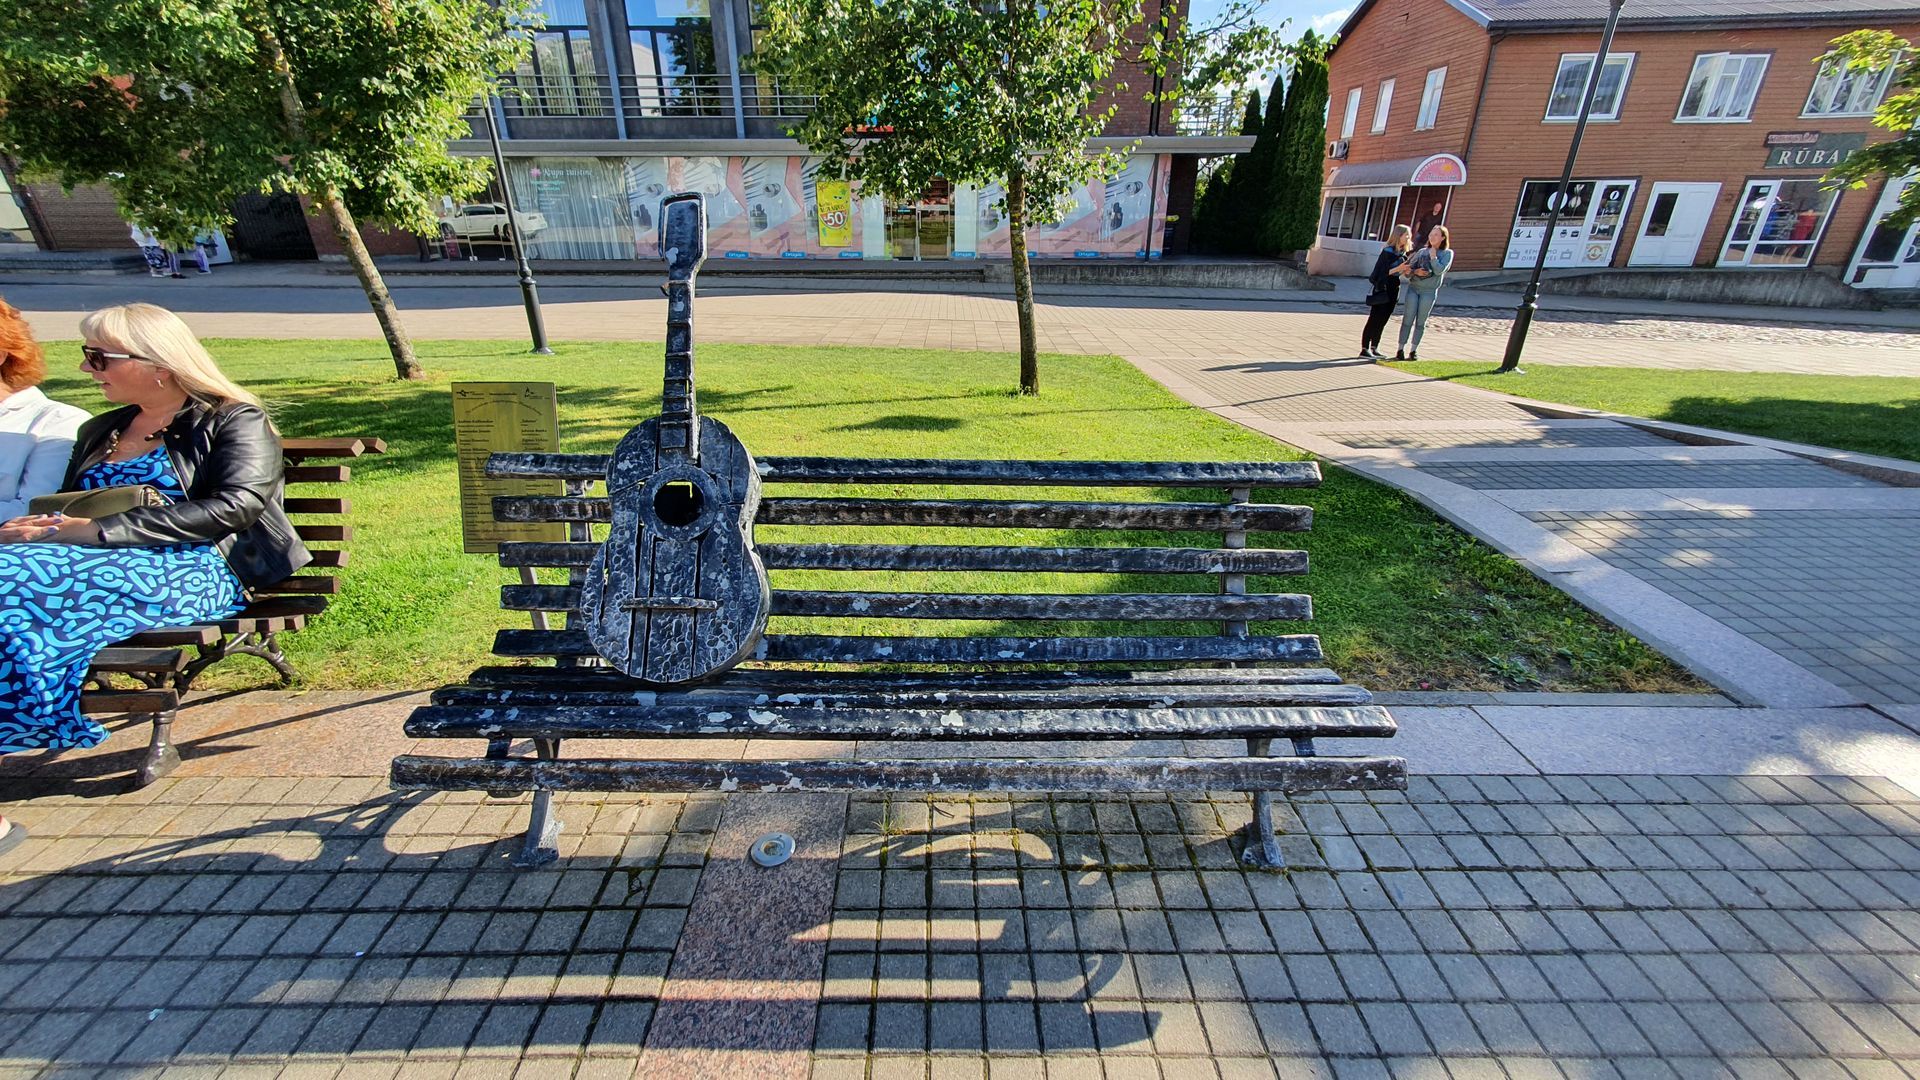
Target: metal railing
{"points": [[525, 94], [1211, 116], [676, 95]]}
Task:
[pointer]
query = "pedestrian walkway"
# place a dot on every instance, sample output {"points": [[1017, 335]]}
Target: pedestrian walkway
{"points": [[1565, 890], [1782, 579]]}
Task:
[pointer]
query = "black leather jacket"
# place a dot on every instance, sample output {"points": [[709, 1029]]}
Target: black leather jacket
{"points": [[229, 461]]}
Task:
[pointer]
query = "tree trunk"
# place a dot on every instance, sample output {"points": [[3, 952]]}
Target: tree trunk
{"points": [[384, 311], [1022, 281], [371, 283]]}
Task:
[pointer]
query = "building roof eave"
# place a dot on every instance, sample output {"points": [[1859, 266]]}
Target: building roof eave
{"points": [[1462, 6]]}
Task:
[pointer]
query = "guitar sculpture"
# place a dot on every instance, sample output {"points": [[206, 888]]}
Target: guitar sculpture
{"points": [[677, 592]]}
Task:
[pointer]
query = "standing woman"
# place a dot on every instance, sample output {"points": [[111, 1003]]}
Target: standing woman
{"points": [[1423, 272], [1386, 290], [205, 446]]}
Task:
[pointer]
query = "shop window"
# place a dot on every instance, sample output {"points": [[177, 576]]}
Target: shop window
{"points": [[1778, 223], [674, 69], [1353, 113], [1382, 106], [1722, 87], [1570, 84], [1848, 90], [559, 76], [1430, 99], [1358, 217]]}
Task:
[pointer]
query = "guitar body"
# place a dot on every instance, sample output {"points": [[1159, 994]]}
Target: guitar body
{"points": [[677, 592]]}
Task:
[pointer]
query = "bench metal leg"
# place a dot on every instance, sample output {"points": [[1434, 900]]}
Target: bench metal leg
{"points": [[543, 829], [161, 757], [1262, 848], [260, 646]]}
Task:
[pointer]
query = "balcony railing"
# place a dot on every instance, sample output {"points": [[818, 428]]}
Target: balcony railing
{"points": [[556, 95], [1211, 116]]}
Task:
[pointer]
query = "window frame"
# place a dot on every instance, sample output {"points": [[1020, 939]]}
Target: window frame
{"points": [[1382, 107], [1597, 116], [1746, 117], [1351, 119], [1885, 76], [1812, 243], [1428, 117]]}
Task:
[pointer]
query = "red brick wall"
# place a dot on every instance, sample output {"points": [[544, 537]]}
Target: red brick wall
{"points": [[1403, 40], [1513, 144], [1134, 114], [379, 241]]}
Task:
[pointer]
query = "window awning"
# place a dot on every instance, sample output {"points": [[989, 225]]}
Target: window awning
{"points": [[1435, 170]]}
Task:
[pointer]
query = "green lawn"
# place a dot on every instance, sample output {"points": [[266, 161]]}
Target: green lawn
{"points": [[1403, 600], [1871, 414]]}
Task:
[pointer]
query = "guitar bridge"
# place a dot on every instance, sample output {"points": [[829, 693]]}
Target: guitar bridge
{"points": [[669, 603]]}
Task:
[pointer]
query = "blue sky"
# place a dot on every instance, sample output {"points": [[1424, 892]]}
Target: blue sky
{"points": [[1321, 16]]}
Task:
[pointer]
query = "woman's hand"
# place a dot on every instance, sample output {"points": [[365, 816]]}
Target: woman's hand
{"points": [[49, 529]]}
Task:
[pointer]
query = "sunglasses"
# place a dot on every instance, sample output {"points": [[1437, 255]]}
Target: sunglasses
{"points": [[97, 359]]}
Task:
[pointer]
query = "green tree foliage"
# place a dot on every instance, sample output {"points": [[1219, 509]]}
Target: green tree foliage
{"points": [[182, 106], [1247, 195], [1899, 112], [975, 93], [1292, 212], [1210, 203]]}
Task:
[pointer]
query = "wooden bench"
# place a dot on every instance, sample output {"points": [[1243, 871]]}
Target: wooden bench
{"points": [[1107, 681], [165, 663]]}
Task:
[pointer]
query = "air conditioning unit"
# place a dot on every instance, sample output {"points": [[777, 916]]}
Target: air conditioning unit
{"points": [[1337, 149]]}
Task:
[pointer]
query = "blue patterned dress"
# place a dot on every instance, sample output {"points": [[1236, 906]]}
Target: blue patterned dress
{"points": [[60, 603]]}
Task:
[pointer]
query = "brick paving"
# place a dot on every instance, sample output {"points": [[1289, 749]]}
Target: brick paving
{"points": [[1831, 589], [1654, 475], [1540, 437], [1492, 925]]}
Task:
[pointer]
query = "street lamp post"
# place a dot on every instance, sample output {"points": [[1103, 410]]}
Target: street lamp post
{"points": [[529, 292], [1530, 301]]}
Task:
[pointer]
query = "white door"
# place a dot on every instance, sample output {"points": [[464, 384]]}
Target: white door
{"points": [[1675, 221], [1888, 258]]}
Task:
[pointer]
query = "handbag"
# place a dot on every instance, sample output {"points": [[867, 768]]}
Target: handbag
{"points": [[98, 502]]}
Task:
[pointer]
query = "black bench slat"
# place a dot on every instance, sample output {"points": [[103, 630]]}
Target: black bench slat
{"points": [[824, 470], [586, 719], [960, 650], [302, 449], [325, 533], [1097, 560], [327, 558], [957, 513], [142, 660], [1196, 695], [318, 474], [412, 772], [139, 702], [173, 636], [309, 585], [1046, 606], [776, 681], [302, 505]]}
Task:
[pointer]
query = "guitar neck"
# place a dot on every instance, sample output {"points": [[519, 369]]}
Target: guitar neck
{"points": [[679, 419]]}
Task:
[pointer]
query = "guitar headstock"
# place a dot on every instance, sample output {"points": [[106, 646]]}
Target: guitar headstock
{"points": [[683, 234]]}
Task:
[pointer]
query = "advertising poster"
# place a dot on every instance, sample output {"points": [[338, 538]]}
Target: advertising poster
{"points": [[719, 179], [1588, 230], [990, 221], [646, 185], [833, 202], [1125, 203]]}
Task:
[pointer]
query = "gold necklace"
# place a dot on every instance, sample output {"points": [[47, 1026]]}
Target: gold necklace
{"points": [[113, 441]]}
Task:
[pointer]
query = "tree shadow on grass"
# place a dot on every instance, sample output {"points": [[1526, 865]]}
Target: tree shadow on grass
{"points": [[1886, 428]]}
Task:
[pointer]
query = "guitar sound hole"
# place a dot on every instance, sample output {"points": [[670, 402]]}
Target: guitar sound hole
{"points": [[678, 503]]}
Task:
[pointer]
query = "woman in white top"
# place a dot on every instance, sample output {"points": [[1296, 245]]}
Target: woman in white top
{"points": [[36, 434], [36, 438]]}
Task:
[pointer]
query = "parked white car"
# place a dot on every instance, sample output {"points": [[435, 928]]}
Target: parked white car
{"points": [[488, 221]]}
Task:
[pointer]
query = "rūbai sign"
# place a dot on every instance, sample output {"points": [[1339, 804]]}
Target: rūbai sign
{"points": [[1811, 149]]}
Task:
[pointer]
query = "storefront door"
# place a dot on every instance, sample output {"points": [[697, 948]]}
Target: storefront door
{"points": [[920, 231], [1777, 223], [1675, 222], [1889, 257]]}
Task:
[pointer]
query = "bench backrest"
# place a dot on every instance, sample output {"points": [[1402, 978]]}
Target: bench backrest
{"points": [[320, 520], [932, 537]]}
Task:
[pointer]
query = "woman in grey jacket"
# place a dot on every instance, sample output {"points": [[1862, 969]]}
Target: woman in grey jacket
{"points": [[1424, 273]]}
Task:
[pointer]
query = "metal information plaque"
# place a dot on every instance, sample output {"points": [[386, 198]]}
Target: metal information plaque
{"points": [[489, 418]]}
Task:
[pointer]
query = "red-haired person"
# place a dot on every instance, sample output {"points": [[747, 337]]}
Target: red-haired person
{"points": [[36, 438]]}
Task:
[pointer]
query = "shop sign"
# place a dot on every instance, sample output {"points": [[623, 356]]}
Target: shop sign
{"points": [[1586, 232], [1811, 149]]}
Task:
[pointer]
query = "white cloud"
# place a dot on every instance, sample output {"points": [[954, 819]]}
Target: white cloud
{"points": [[1329, 22]]}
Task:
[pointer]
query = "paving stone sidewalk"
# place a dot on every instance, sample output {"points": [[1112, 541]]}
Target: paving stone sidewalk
{"points": [[1773, 572]]}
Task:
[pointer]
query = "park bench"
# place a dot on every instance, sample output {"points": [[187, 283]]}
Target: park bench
{"points": [[1108, 680], [165, 663]]}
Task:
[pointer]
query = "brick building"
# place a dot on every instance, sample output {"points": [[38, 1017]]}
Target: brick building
{"points": [[624, 100], [1711, 128]]}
